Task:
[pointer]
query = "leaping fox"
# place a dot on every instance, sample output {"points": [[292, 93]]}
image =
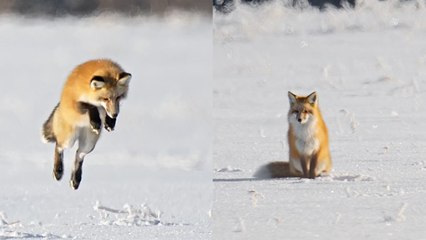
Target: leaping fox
{"points": [[90, 98]]}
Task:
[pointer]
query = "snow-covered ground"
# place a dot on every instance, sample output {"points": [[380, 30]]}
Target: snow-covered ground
{"points": [[150, 178], [368, 66]]}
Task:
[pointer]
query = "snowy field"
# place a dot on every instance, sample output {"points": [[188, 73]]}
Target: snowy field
{"points": [[368, 66], [151, 177]]}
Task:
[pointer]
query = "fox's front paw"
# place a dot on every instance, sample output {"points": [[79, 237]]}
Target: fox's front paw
{"points": [[95, 127], [109, 123], [95, 130], [109, 129]]}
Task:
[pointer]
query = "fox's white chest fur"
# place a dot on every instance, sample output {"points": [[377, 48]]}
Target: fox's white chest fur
{"points": [[305, 135]]}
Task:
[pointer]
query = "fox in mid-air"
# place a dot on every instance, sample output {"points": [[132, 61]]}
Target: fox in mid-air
{"points": [[90, 98], [309, 153]]}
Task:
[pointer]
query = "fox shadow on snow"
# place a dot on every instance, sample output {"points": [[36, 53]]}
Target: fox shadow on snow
{"points": [[281, 171]]}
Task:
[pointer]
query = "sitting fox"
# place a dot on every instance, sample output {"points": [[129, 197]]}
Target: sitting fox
{"points": [[90, 98], [309, 154]]}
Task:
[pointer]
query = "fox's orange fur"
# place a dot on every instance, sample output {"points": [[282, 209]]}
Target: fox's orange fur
{"points": [[77, 89], [92, 90], [309, 154]]}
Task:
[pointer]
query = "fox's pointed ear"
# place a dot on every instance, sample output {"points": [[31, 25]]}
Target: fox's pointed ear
{"points": [[124, 78], [312, 98], [292, 97], [97, 82]]}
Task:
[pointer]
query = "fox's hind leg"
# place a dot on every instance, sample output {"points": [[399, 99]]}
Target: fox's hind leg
{"points": [[77, 172], [86, 143], [49, 136], [58, 166], [65, 138]]}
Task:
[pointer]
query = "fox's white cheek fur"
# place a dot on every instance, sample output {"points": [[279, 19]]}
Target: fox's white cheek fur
{"points": [[103, 104]]}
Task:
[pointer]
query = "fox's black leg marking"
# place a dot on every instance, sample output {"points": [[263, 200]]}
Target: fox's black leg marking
{"points": [[109, 123], [95, 119], [305, 164], [313, 166], [76, 175], [58, 166]]}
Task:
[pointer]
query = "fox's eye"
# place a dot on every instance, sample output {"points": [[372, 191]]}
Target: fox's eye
{"points": [[305, 112], [105, 99], [295, 111]]}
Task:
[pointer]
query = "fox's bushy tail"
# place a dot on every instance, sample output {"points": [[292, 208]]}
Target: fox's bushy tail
{"points": [[274, 170], [47, 131]]}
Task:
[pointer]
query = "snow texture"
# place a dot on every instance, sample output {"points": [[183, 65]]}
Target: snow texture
{"points": [[368, 66], [157, 161]]}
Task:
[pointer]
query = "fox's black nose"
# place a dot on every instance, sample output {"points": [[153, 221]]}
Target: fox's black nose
{"points": [[299, 119]]}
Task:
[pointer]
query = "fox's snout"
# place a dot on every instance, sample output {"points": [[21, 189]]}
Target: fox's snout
{"points": [[112, 115], [302, 120], [301, 117], [113, 110], [112, 107]]}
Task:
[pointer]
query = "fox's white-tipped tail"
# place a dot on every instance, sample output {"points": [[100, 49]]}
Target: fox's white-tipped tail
{"points": [[274, 170]]}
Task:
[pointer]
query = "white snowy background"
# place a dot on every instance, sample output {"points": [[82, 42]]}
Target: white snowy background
{"points": [[368, 66], [151, 177]]}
